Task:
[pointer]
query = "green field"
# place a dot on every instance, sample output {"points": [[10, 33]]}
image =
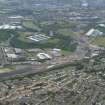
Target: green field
{"points": [[5, 34], [100, 41], [66, 32], [3, 70], [23, 37], [31, 25], [7, 68], [21, 41], [53, 40], [63, 36]]}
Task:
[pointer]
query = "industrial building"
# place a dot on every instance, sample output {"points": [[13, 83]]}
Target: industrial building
{"points": [[94, 32], [9, 27], [14, 54], [56, 52], [38, 37]]}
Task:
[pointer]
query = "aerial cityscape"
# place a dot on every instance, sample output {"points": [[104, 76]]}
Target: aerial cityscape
{"points": [[52, 52]]}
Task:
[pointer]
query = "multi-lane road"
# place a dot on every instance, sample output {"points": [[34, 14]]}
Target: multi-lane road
{"points": [[23, 70], [3, 58]]}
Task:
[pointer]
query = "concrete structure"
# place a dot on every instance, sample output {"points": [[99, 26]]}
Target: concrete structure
{"points": [[18, 51], [56, 52], [38, 37], [10, 27], [43, 56], [102, 25], [14, 54], [94, 32]]}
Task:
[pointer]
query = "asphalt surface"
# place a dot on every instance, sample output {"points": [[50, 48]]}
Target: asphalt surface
{"points": [[3, 59], [23, 71]]}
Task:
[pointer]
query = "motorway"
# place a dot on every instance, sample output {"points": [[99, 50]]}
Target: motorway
{"points": [[3, 58], [22, 71], [32, 69]]}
